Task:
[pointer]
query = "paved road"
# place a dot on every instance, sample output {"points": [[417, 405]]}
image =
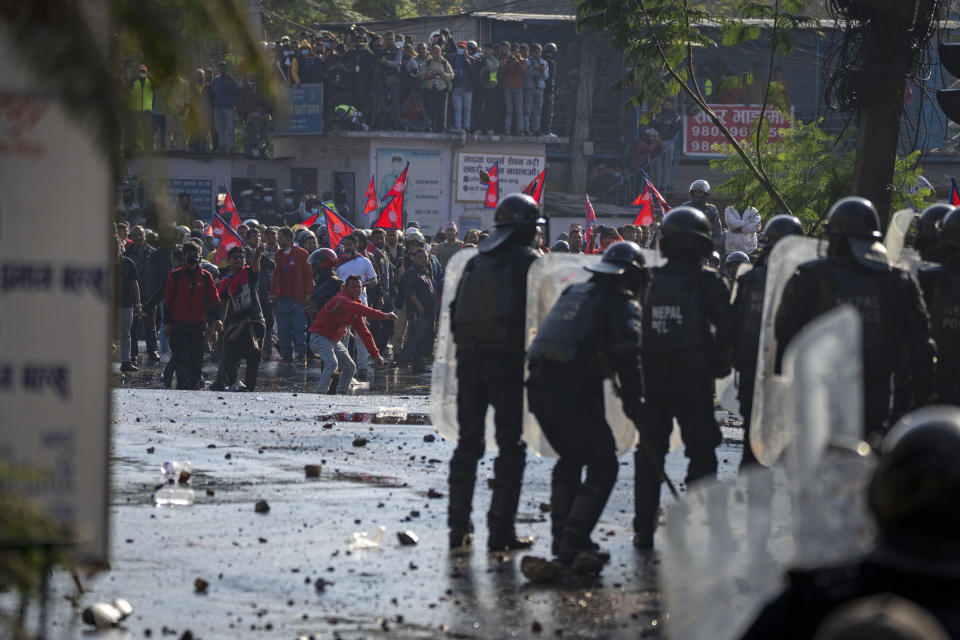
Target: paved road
{"points": [[263, 569]]}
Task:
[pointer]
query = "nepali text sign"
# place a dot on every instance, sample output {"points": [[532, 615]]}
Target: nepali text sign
{"points": [[700, 134], [55, 309], [305, 110], [515, 173]]}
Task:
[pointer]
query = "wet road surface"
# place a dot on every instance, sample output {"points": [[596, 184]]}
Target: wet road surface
{"points": [[289, 573]]}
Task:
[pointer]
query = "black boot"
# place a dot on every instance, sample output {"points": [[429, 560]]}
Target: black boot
{"points": [[561, 499], [583, 516], [646, 501], [500, 519], [458, 512]]}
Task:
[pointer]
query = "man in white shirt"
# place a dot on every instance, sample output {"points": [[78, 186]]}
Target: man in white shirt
{"points": [[353, 263]]}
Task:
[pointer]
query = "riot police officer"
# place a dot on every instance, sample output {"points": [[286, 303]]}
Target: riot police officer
{"points": [[896, 333], [699, 194], [913, 496], [592, 333], [686, 345], [487, 321], [928, 241], [941, 291], [748, 315]]}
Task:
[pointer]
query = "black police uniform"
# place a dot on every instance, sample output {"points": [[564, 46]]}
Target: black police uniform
{"points": [[687, 327], [941, 291], [592, 333], [487, 321], [894, 319]]}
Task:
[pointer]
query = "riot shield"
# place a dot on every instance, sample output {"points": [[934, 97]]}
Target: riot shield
{"points": [[771, 392], [727, 386], [897, 233], [443, 380], [546, 280], [719, 568], [824, 361]]}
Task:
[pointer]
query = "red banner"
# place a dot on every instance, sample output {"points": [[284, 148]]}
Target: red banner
{"points": [[700, 133]]}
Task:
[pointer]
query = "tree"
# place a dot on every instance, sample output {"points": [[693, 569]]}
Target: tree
{"points": [[658, 38], [812, 171], [883, 44]]}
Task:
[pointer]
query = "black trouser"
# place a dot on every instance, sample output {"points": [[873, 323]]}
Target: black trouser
{"points": [[493, 109], [687, 396], [419, 341], [745, 397], [267, 307], [546, 119], [242, 342], [574, 424], [187, 345], [144, 327], [484, 380], [435, 101]]}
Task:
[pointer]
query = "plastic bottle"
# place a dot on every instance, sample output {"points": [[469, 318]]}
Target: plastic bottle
{"points": [[366, 539], [397, 413]]}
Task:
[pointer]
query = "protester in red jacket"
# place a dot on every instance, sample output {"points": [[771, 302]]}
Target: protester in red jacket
{"points": [[189, 299], [292, 283], [330, 326]]}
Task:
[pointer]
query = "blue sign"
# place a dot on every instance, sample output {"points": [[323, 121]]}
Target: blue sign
{"points": [[305, 110], [200, 191]]}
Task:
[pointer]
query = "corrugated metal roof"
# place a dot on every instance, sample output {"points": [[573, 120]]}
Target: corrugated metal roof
{"points": [[509, 16]]}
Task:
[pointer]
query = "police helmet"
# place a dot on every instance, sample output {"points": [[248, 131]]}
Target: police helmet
{"points": [[686, 229], [619, 258], [914, 489], [323, 258], [778, 227], [517, 209], [700, 185], [853, 217], [550, 47], [251, 221], [561, 246], [928, 226], [734, 261], [950, 228], [472, 44]]}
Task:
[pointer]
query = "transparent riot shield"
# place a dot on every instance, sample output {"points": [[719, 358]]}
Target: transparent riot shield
{"points": [[824, 361], [771, 392], [727, 386], [546, 280], [443, 381], [728, 544], [897, 233]]}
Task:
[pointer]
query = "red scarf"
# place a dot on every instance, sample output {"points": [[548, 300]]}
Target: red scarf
{"points": [[234, 280]]}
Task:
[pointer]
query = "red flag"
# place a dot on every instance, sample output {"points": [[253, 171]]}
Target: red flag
{"points": [[954, 194], [312, 220], [337, 228], [493, 187], [229, 238], [664, 207], [208, 230], [391, 217], [589, 221], [228, 208], [644, 201], [371, 198], [535, 188]]}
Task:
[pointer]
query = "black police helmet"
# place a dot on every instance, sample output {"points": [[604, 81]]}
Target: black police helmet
{"points": [[928, 225], [619, 258], [686, 229], [778, 227], [950, 228], [517, 209], [853, 217], [914, 490], [735, 260]]}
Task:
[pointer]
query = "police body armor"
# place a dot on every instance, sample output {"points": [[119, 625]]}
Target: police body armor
{"points": [[489, 313], [750, 291], [673, 320], [872, 293], [565, 331], [941, 288]]}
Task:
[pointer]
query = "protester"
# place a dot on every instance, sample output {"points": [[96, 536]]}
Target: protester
{"points": [[343, 311], [292, 282]]}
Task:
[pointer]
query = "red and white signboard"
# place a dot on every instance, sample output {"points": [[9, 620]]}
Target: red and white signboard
{"points": [[700, 134]]}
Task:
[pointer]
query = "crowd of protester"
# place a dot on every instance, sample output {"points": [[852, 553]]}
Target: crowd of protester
{"points": [[383, 81], [390, 81], [281, 297]]}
